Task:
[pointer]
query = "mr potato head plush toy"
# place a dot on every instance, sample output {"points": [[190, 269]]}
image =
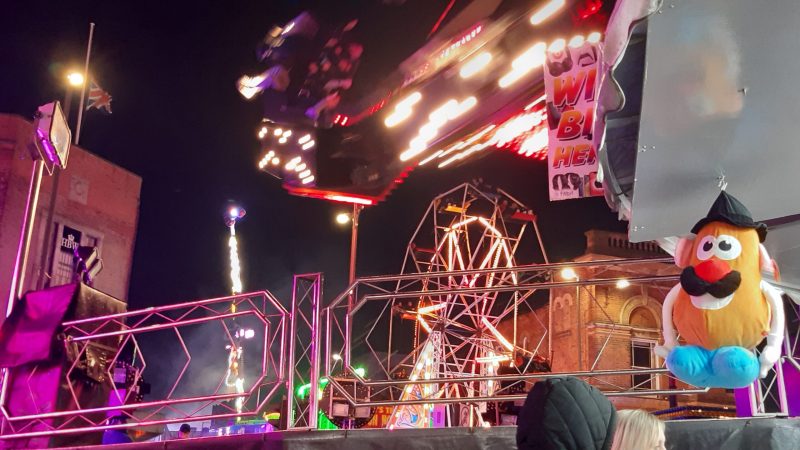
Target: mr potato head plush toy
{"points": [[721, 307]]}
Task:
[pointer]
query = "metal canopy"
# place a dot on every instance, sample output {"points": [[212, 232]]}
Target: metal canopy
{"points": [[720, 100]]}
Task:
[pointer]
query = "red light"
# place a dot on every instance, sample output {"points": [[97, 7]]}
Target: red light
{"points": [[350, 199], [590, 8]]}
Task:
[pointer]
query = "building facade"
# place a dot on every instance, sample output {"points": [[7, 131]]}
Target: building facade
{"points": [[92, 202], [610, 327]]}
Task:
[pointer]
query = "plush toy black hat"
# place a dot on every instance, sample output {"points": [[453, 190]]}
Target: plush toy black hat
{"points": [[727, 208]]}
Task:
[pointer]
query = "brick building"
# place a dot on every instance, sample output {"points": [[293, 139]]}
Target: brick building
{"points": [[609, 327], [96, 203]]}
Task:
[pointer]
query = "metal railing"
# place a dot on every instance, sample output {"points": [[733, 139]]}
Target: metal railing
{"points": [[118, 337], [377, 296]]}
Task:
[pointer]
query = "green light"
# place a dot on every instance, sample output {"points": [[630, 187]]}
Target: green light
{"points": [[302, 391], [360, 371], [323, 423]]}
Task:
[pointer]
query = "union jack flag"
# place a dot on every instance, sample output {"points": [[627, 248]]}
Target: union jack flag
{"points": [[98, 98]]}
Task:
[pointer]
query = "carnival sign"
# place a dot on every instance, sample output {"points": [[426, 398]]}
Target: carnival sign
{"points": [[570, 76]]}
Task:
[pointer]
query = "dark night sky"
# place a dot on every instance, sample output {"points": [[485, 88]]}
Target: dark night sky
{"points": [[179, 123]]}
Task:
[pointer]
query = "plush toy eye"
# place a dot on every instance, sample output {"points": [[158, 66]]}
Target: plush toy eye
{"points": [[705, 248], [728, 247]]}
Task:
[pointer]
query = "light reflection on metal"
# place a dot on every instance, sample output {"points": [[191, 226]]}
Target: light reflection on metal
{"points": [[492, 359], [424, 324], [498, 335], [431, 308]]}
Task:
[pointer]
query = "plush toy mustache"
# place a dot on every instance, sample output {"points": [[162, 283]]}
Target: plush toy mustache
{"points": [[696, 286]]}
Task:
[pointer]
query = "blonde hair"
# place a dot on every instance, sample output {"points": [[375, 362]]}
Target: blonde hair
{"points": [[637, 430]]}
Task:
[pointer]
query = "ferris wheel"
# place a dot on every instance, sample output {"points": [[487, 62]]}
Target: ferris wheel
{"points": [[470, 329]]}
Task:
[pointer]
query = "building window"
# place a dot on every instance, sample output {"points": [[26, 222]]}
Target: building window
{"points": [[67, 239], [642, 357]]}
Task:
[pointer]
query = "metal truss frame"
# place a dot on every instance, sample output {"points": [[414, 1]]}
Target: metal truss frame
{"points": [[383, 290], [768, 396], [125, 327], [304, 347]]}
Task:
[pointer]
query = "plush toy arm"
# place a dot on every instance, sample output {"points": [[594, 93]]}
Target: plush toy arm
{"points": [[670, 338], [772, 352]]}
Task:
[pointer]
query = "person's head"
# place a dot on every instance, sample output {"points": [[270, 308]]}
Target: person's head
{"points": [[185, 430], [638, 430], [565, 414]]}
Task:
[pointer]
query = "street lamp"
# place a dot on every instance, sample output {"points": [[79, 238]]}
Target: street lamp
{"points": [[75, 79], [342, 218]]}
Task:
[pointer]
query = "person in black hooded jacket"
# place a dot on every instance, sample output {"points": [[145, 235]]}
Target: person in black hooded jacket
{"points": [[566, 414]]}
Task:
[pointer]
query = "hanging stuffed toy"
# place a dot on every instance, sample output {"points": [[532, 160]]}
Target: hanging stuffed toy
{"points": [[721, 307]]}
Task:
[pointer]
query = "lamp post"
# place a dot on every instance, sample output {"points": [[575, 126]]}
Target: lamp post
{"points": [[75, 80], [342, 218], [352, 218], [353, 246]]}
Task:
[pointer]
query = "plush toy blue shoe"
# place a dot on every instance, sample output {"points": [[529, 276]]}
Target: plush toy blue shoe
{"points": [[734, 367], [725, 367]]}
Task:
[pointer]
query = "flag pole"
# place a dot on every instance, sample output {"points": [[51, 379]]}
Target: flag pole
{"points": [[85, 83]]}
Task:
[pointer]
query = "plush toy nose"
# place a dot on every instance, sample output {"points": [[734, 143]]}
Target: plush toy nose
{"points": [[712, 270]]}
